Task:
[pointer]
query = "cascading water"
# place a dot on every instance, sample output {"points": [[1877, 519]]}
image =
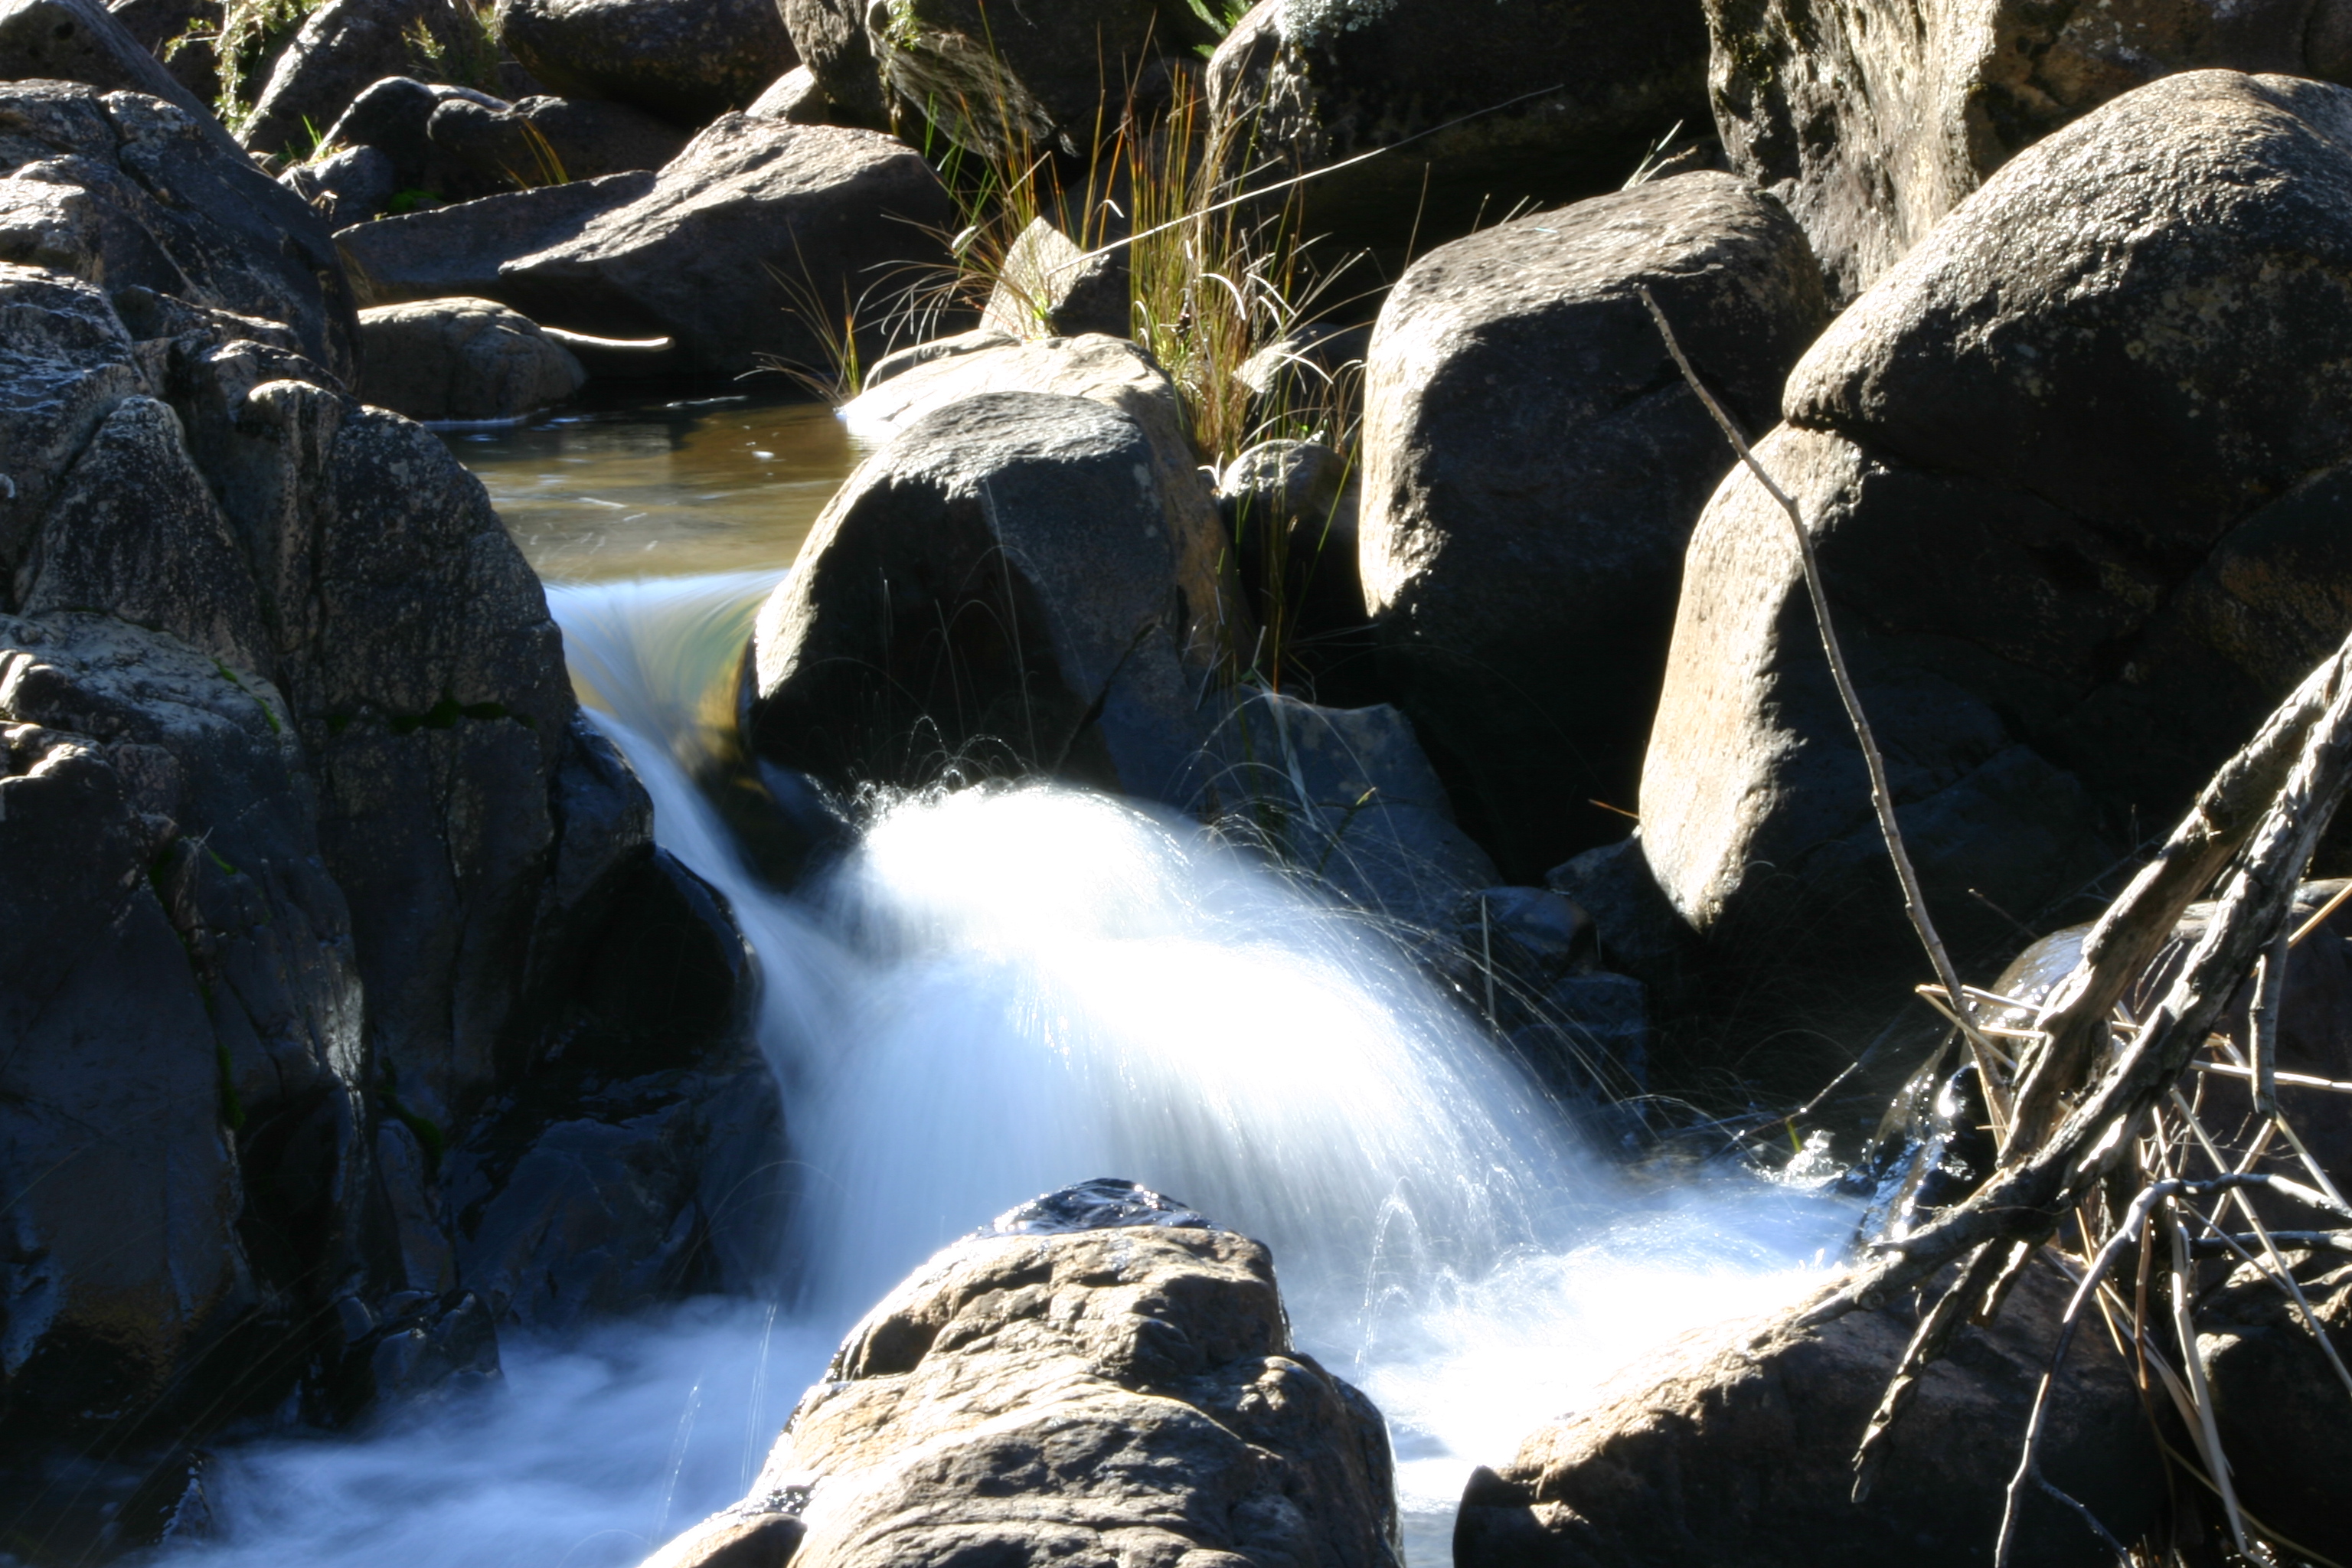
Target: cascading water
{"points": [[997, 993]]}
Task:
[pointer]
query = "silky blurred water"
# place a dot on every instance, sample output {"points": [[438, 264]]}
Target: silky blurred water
{"points": [[998, 993]]}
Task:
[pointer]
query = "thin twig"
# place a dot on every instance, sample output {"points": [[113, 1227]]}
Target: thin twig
{"points": [[1882, 797]]}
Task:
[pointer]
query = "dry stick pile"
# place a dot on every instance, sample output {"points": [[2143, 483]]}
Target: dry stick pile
{"points": [[2094, 1126]]}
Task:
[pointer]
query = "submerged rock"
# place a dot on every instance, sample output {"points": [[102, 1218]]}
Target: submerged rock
{"points": [[1120, 1386], [1873, 120], [1004, 587], [463, 359], [689, 61], [2058, 465], [1734, 1445], [1533, 464], [1542, 100]]}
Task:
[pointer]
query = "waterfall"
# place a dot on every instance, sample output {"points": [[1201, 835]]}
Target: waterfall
{"points": [[1001, 991]]}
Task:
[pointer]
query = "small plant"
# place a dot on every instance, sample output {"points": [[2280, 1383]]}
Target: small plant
{"points": [[466, 56], [250, 34]]}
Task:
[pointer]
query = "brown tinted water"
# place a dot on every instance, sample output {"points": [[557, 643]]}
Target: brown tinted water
{"points": [[685, 488]]}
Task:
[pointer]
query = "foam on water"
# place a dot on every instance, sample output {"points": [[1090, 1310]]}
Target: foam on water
{"points": [[999, 993]]}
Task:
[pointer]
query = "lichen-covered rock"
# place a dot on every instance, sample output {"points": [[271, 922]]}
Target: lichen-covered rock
{"points": [[1542, 100], [1114, 1386], [1005, 588], [1533, 466], [1872, 120], [2055, 464], [1736, 1445], [462, 359], [168, 203], [686, 60]]}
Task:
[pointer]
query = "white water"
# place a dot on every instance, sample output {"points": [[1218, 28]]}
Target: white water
{"points": [[1000, 993]]}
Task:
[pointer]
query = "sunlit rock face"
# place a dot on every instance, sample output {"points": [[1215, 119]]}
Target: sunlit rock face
{"points": [[1100, 1377]]}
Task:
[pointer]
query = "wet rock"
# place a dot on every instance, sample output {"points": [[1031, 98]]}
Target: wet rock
{"points": [[549, 141], [1545, 102], [696, 252], [1001, 588], [462, 359], [1346, 797], [346, 187], [829, 36], [1048, 288], [2285, 1419], [82, 41], [422, 1349], [343, 47], [1734, 1445], [449, 251], [1533, 467], [1874, 121], [1019, 80], [2054, 466], [173, 207], [686, 60], [1129, 1394]]}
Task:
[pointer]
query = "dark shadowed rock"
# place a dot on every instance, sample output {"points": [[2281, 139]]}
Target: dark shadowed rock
{"points": [[392, 116], [1015, 81], [1736, 1444], [1533, 466], [1541, 100], [1291, 509], [829, 36], [82, 41], [164, 28], [343, 47], [1001, 588], [1100, 1396], [347, 186], [1872, 120], [548, 141], [444, 252], [171, 207], [2053, 463], [462, 359], [686, 60], [2285, 1418]]}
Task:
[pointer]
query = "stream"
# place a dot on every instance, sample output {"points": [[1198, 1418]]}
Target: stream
{"points": [[999, 993]]}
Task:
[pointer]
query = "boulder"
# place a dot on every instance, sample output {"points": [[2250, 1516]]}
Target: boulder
{"points": [[1872, 120], [1291, 509], [549, 141], [796, 98], [167, 204], [746, 248], [1531, 962], [1542, 100], [829, 36], [1002, 587], [1533, 464], [2056, 465], [1736, 1444], [1344, 797], [178, 33], [2285, 1418], [1087, 1380], [82, 41], [686, 60], [462, 359], [347, 186], [340, 48], [1017, 80], [392, 117], [1047, 287]]}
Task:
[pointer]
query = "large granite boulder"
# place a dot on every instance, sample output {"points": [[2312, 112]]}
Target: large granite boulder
{"points": [[2071, 472], [1873, 120], [340, 48], [137, 192], [1017, 80], [1101, 1377], [1736, 1446], [686, 60], [1533, 466], [463, 359], [1542, 100], [729, 249], [1006, 587]]}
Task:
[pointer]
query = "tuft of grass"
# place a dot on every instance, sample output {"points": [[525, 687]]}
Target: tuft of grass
{"points": [[250, 34], [468, 57]]}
